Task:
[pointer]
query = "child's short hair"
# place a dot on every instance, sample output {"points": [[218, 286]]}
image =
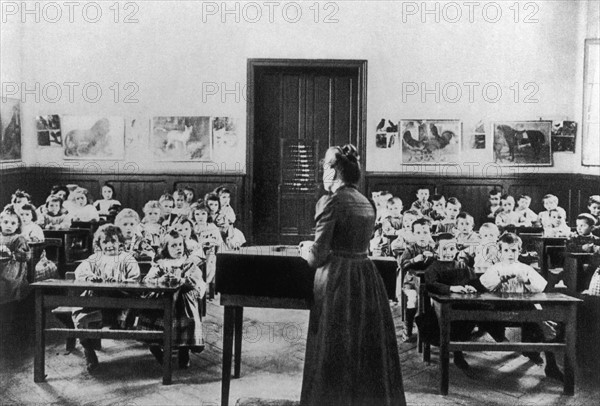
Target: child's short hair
{"points": [[558, 210], [437, 197], [221, 190], [60, 188], [125, 214], [9, 210], [198, 206], [490, 227], [19, 194], [526, 197], [550, 198], [466, 216], [184, 220], [111, 187], [108, 232], [54, 198], [178, 192], [189, 189], [587, 217], [212, 196], [422, 188], [393, 200], [151, 204], [510, 239], [30, 208], [494, 192], [163, 250], [453, 201], [80, 191], [445, 237], [593, 199], [423, 221], [166, 197], [507, 198]]}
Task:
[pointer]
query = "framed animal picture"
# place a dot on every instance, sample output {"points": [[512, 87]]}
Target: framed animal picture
{"points": [[48, 131], [522, 143], [430, 141], [93, 137], [181, 138], [10, 130], [563, 136]]}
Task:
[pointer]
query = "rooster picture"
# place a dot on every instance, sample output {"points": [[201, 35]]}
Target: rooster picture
{"points": [[429, 141]]}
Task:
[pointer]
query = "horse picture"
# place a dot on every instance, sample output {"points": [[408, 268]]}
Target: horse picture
{"points": [[522, 143]]}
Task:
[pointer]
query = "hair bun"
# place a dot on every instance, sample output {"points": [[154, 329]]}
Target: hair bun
{"points": [[350, 152]]}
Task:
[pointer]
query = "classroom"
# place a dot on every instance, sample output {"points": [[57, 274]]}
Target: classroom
{"points": [[300, 203]]}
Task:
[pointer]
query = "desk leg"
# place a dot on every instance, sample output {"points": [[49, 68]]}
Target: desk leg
{"points": [[168, 339], [238, 330], [227, 350], [39, 373], [444, 342], [571, 274], [570, 337], [426, 345]]}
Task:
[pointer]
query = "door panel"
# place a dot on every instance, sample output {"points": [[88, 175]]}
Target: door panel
{"points": [[314, 107]]}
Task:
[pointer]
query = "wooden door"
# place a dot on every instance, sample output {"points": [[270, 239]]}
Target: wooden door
{"points": [[298, 113]]}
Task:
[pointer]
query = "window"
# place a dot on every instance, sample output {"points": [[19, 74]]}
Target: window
{"points": [[591, 104]]}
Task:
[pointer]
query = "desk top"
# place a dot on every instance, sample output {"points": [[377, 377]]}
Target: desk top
{"points": [[557, 239], [82, 285], [583, 255], [281, 251], [67, 231], [553, 297]]}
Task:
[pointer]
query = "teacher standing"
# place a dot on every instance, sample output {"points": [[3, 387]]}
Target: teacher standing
{"points": [[351, 349]]}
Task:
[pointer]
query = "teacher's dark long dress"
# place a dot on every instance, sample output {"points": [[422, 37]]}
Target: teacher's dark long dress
{"points": [[351, 350]]}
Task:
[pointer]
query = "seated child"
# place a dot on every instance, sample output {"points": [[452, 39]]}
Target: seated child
{"points": [[55, 217], [233, 237], [392, 223], [185, 228], [512, 276], [209, 238], [422, 204], [133, 241], [19, 198], [14, 255], [181, 209], [380, 206], [448, 223], [467, 240], [405, 233], [557, 227], [492, 206], [190, 195], [81, 208], [108, 199], [29, 229], [550, 203], [594, 208], [174, 267], [417, 256], [448, 275], [486, 253], [507, 216], [583, 240], [167, 204], [225, 200], [151, 229], [107, 264], [438, 210], [527, 217]]}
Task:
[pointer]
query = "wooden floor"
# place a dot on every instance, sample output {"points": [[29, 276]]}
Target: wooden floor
{"points": [[272, 362]]}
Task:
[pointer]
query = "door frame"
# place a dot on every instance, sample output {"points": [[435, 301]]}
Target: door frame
{"points": [[252, 65]]}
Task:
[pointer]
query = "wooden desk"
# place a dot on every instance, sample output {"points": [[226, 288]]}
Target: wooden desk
{"points": [[574, 276], [51, 299], [269, 277], [555, 306], [542, 245]]}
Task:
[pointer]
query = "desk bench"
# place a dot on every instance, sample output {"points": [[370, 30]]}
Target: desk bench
{"points": [[46, 297]]}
